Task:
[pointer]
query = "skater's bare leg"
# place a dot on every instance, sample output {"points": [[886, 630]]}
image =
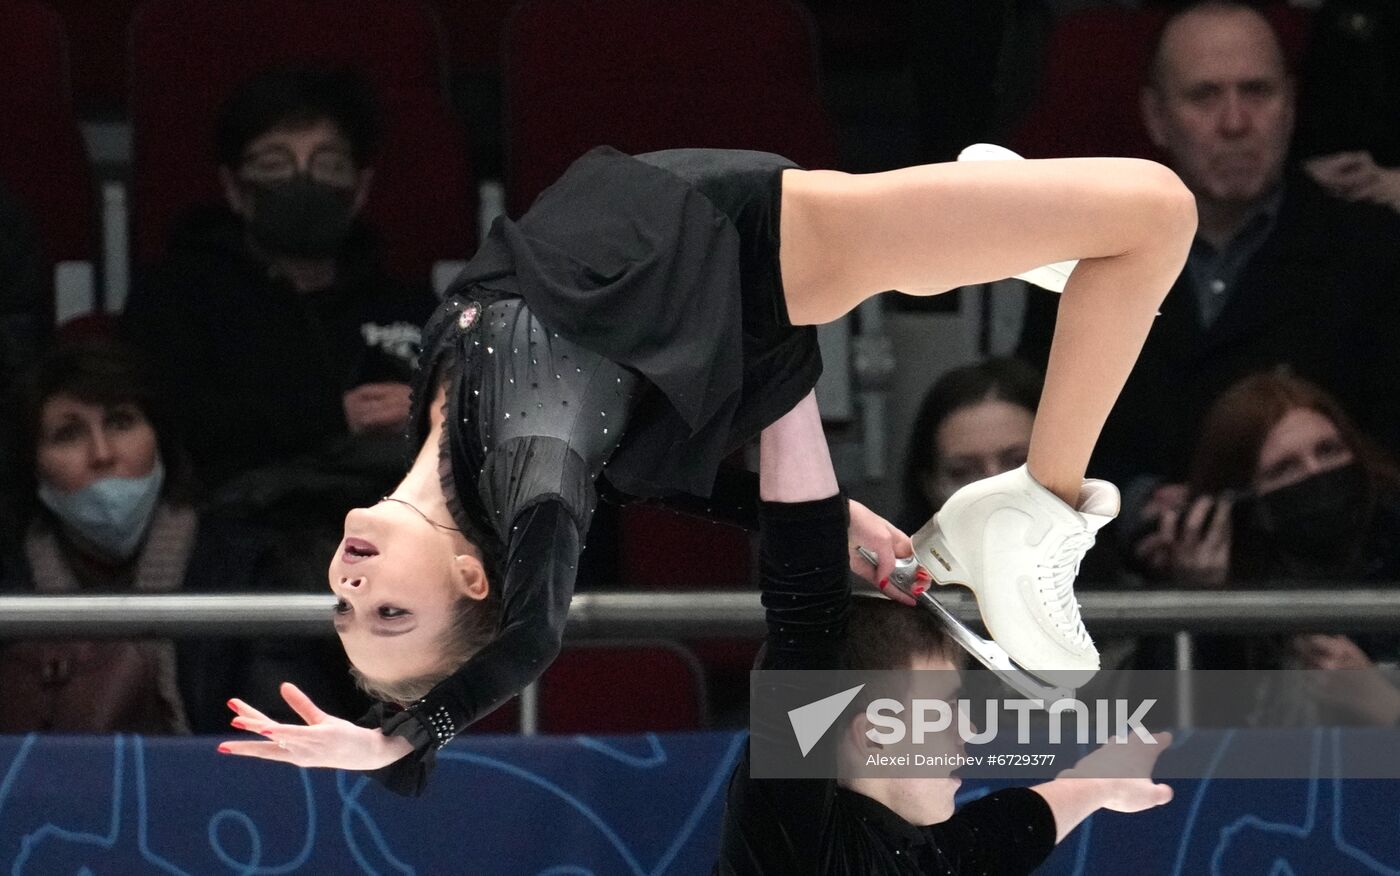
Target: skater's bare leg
{"points": [[924, 230]]}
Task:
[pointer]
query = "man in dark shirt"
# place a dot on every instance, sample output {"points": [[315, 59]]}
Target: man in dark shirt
{"points": [[879, 825], [1280, 273], [279, 332]]}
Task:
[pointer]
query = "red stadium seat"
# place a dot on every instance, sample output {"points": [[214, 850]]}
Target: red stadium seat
{"points": [[1088, 104], [661, 548], [655, 74], [188, 55], [622, 688], [43, 163], [1097, 63]]}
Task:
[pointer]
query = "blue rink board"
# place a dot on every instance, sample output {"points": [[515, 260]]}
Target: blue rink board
{"points": [[573, 806]]}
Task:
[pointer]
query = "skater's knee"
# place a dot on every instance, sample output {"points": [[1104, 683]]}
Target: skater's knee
{"points": [[1167, 205]]}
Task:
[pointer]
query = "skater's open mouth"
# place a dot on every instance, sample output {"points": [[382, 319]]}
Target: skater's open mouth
{"points": [[356, 549]]}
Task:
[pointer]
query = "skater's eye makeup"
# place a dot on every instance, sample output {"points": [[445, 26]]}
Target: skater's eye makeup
{"points": [[387, 620]]}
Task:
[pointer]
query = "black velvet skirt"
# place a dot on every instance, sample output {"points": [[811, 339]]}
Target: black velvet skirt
{"points": [[665, 263]]}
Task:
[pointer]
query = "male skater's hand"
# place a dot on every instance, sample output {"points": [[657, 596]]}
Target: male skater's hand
{"points": [[1116, 776], [324, 741], [1121, 771], [882, 538]]}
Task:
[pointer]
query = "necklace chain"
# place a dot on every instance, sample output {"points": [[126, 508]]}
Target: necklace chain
{"points": [[425, 517]]}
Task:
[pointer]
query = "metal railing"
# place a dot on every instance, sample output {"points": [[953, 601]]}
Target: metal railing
{"points": [[698, 614], [707, 614]]}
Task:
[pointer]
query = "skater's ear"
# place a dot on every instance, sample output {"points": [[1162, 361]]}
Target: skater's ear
{"points": [[858, 734], [469, 577]]}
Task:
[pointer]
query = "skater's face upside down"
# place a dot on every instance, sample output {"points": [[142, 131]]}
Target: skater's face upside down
{"points": [[401, 583]]}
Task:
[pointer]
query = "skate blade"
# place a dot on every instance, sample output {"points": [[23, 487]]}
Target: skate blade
{"points": [[1031, 685], [929, 543]]}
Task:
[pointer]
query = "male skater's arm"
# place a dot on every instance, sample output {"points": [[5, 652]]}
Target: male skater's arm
{"points": [[1013, 830], [802, 543], [777, 825]]}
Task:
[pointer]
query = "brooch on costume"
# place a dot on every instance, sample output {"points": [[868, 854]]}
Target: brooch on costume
{"points": [[469, 315]]}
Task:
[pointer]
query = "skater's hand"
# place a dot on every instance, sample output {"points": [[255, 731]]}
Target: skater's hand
{"points": [[1192, 545], [1117, 776], [1121, 773], [324, 741], [1356, 686], [883, 539], [377, 407]]}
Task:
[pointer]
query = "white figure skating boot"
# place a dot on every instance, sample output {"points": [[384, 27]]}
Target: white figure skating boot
{"points": [[1017, 547]]}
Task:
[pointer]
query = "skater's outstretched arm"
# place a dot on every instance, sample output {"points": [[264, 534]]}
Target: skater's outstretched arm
{"points": [[1117, 776]]}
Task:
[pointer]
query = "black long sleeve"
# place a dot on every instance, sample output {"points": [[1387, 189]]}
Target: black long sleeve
{"points": [[784, 825], [806, 582]]}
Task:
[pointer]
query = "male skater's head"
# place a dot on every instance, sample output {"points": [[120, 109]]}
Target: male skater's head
{"points": [[884, 635]]}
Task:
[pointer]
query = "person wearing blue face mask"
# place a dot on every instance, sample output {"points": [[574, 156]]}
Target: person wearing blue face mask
{"points": [[107, 511], [110, 508]]}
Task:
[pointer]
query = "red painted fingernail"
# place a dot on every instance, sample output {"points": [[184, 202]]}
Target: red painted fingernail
{"points": [[922, 575], [919, 588], [238, 722], [232, 706], [884, 582], [223, 749]]}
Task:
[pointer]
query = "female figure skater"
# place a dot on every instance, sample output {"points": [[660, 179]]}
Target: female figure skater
{"points": [[649, 314]]}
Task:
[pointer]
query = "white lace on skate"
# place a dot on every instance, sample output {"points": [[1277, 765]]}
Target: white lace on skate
{"points": [[1055, 585]]}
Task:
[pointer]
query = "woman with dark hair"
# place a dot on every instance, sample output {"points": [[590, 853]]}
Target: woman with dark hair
{"points": [[643, 315], [1287, 489], [975, 422], [1284, 486], [108, 510]]}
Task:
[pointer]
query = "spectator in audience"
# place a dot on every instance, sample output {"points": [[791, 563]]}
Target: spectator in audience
{"points": [[284, 340], [1284, 488], [110, 510], [1280, 271], [1350, 128], [974, 422]]}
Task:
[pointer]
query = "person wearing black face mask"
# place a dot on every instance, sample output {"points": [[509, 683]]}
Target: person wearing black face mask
{"points": [[298, 193], [1310, 528], [285, 341], [301, 217], [1288, 491]]}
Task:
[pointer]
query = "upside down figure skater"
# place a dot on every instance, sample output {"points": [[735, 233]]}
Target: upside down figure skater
{"points": [[649, 314]]}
